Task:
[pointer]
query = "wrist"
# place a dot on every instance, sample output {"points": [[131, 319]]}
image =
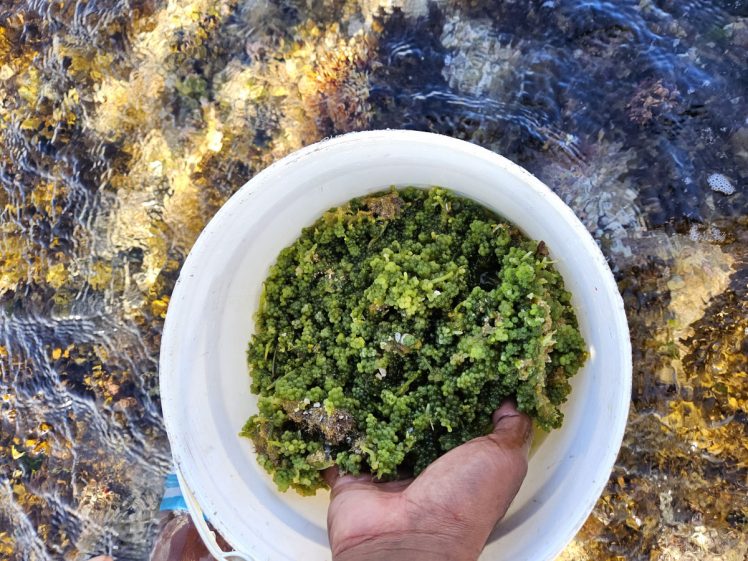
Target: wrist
{"points": [[412, 547]]}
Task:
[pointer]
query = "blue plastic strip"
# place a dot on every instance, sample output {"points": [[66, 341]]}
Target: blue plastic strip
{"points": [[172, 499]]}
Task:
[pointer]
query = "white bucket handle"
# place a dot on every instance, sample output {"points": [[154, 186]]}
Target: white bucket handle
{"points": [[206, 534]]}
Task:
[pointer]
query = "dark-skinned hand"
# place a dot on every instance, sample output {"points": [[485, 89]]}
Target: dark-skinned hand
{"points": [[444, 514]]}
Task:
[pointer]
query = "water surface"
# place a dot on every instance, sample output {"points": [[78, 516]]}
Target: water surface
{"points": [[125, 124]]}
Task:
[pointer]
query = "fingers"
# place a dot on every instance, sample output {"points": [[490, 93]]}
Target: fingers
{"points": [[330, 475], [365, 481], [339, 483], [335, 480]]}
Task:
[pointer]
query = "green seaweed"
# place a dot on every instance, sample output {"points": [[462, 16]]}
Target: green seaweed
{"points": [[391, 330]]}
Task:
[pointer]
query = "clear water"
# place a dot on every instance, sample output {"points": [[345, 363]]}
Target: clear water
{"points": [[125, 124]]}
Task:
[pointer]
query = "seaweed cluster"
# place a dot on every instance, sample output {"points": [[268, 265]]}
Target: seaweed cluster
{"points": [[391, 330]]}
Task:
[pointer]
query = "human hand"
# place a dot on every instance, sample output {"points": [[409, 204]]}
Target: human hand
{"points": [[444, 514]]}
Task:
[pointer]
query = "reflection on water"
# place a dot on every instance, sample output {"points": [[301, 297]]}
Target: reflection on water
{"points": [[125, 124]]}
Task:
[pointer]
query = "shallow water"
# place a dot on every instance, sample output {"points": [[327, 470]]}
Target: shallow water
{"points": [[125, 124]]}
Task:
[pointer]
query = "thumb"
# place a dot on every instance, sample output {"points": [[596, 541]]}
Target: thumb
{"points": [[481, 477], [509, 448], [512, 430]]}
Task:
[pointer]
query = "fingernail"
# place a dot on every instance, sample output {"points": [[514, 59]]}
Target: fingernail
{"points": [[507, 415], [507, 408]]}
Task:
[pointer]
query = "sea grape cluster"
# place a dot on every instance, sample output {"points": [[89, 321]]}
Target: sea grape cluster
{"points": [[391, 329]]}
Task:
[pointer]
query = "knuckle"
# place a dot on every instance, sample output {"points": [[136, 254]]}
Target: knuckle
{"points": [[509, 457]]}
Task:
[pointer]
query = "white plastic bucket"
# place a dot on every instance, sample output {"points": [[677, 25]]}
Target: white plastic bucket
{"points": [[204, 378]]}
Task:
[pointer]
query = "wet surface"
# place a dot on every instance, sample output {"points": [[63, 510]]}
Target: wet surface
{"points": [[125, 124]]}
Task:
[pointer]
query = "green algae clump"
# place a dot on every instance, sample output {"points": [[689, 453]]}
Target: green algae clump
{"points": [[393, 327]]}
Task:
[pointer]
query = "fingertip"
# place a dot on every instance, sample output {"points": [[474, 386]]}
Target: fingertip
{"points": [[512, 425], [506, 408], [336, 480], [331, 475]]}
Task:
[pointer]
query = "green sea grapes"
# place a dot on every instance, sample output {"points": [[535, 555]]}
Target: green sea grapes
{"points": [[391, 329]]}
